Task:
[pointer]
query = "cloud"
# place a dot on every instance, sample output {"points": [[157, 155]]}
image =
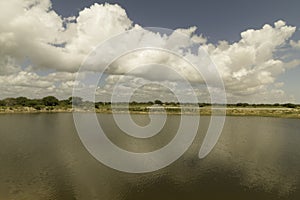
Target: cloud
{"points": [[8, 65], [31, 30], [31, 84], [147, 90], [249, 65], [294, 44], [34, 39], [191, 33]]}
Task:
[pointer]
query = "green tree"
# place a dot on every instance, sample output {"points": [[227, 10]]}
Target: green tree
{"points": [[50, 101], [22, 101], [10, 101], [159, 102], [35, 102], [150, 103], [65, 102], [2, 103], [242, 104], [290, 105]]}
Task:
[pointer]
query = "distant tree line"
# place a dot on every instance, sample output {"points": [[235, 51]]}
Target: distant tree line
{"points": [[51, 101], [286, 105]]}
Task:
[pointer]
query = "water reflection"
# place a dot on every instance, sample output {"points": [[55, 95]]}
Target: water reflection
{"points": [[41, 157]]}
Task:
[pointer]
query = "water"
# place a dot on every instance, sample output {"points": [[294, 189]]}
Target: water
{"points": [[41, 157]]}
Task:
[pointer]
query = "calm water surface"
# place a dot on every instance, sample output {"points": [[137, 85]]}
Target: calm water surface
{"points": [[41, 157]]}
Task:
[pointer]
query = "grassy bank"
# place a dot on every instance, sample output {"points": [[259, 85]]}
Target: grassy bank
{"points": [[176, 110]]}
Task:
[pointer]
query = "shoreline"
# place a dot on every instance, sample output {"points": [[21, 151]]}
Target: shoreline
{"points": [[279, 112]]}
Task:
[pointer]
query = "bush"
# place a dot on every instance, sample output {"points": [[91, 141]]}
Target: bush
{"points": [[290, 105], [37, 107], [159, 102], [242, 104], [2, 103], [50, 101]]}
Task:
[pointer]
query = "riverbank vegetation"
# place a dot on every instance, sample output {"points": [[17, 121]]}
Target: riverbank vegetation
{"points": [[52, 104]]}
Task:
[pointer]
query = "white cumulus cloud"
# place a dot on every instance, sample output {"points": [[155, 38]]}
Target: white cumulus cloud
{"points": [[40, 53]]}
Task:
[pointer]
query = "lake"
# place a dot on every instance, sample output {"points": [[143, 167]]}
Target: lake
{"points": [[42, 157]]}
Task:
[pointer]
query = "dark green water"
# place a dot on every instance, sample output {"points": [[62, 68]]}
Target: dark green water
{"points": [[41, 157]]}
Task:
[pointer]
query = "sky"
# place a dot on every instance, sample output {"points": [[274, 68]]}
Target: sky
{"points": [[218, 20], [254, 44]]}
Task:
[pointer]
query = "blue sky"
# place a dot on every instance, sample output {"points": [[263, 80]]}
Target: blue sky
{"points": [[44, 42], [218, 20]]}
